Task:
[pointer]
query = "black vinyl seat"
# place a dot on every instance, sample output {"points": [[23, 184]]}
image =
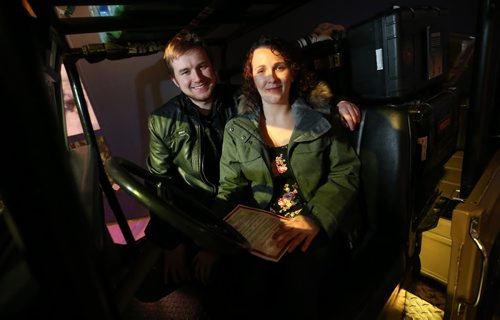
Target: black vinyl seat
{"points": [[381, 262]]}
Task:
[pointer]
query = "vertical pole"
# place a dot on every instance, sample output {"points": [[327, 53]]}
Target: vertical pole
{"points": [[478, 146], [88, 130]]}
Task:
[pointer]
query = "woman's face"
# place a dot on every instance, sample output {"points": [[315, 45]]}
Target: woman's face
{"points": [[272, 76]]}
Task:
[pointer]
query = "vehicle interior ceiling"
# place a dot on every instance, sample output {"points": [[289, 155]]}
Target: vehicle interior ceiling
{"points": [[150, 24], [70, 244]]}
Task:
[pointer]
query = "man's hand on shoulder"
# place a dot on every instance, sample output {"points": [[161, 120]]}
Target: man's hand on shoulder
{"points": [[350, 115]]}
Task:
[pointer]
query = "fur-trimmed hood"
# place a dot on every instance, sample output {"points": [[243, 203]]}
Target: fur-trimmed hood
{"points": [[319, 98]]}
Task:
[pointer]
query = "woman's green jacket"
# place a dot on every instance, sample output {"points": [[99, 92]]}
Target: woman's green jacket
{"points": [[322, 161]]}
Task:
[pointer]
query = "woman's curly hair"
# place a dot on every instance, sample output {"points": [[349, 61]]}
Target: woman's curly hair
{"points": [[304, 79]]}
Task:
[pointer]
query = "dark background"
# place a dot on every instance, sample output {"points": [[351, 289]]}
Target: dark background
{"points": [[124, 92]]}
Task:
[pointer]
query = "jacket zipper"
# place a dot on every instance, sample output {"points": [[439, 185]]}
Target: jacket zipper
{"points": [[293, 173], [202, 160]]}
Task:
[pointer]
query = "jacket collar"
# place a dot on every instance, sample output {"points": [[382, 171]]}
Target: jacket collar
{"points": [[188, 107], [309, 124], [217, 103]]}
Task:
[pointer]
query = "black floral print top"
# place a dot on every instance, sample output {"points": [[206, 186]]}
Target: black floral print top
{"points": [[286, 199]]}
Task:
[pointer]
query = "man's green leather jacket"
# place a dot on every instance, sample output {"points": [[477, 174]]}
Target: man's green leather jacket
{"points": [[177, 135]]}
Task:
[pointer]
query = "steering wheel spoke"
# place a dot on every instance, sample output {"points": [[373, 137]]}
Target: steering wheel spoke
{"points": [[205, 229]]}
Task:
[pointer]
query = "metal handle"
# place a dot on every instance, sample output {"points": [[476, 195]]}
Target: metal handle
{"points": [[473, 231]]}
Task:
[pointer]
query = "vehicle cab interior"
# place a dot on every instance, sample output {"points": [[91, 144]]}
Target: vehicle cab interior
{"points": [[73, 205]]}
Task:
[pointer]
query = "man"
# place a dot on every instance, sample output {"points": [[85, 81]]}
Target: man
{"points": [[185, 144]]}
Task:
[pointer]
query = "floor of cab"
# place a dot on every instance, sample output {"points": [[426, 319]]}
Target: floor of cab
{"points": [[424, 299]]}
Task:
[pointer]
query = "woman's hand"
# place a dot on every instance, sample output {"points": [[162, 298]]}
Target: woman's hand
{"points": [[349, 114], [176, 268], [299, 230], [203, 263]]}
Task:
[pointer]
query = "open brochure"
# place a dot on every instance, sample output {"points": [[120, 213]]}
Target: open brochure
{"points": [[258, 227]]}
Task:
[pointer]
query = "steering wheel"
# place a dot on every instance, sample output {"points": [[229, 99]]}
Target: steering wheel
{"points": [[204, 228]]}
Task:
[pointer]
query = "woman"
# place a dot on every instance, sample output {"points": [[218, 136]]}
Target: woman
{"points": [[282, 155]]}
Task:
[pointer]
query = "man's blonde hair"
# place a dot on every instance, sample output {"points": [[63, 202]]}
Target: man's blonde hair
{"points": [[179, 45]]}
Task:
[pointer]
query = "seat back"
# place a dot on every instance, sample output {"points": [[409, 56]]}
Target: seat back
{"points": [[384, 145]]}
